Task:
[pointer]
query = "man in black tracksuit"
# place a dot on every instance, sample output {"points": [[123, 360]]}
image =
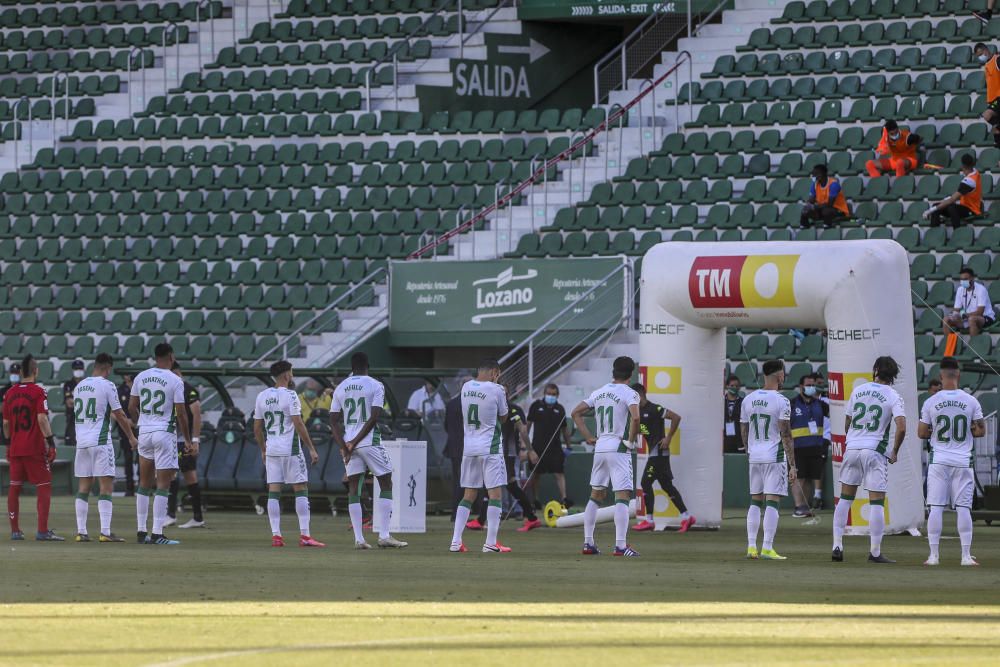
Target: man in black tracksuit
{"points": [[652, 420], [515, 447]]}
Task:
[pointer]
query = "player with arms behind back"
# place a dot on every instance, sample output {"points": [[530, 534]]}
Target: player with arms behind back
{"points": [[354, 412], [157, 405], [95, 404], [484, 409], [765, 417], [950, 419], [871, 410], [616, 410], [31, 449], [280, 433]]}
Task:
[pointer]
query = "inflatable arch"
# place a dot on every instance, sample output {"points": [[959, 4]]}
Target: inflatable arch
{"points": [[859, 291]]}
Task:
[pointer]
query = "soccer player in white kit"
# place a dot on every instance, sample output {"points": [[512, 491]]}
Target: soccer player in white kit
{"points": [[871, 410], [280, 434], [157, 404], [95, 404], [484, 409], [354, 411], [767, 435], [616, 414], [950, 419]]}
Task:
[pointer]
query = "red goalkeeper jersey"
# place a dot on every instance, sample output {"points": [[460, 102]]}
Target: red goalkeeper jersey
{"points": [[21, 406]]}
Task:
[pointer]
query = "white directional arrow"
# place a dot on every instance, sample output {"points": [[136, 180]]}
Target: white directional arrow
{"points": [[534, 50]]}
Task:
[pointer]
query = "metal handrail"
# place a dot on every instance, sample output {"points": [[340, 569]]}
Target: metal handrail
{"points": [[528, 182], [170, 27], [142, 67], [211, 27], [19, 130], [63, 76]]}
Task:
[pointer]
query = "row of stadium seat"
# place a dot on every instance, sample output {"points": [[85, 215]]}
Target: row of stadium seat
{"points": [[93, 14], [300, 80], [91, 38], [32, 86], [814, 63], [294, 55], [303, 30], [305, 8], [819, 11], [898, 33], [78, 62]]}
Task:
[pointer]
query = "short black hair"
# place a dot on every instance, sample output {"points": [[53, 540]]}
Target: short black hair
{"points": [[623, 368], [104, 359], [967, 269], [969, 160], [162, 351], [359, 362], [637, 386], [773, 366], [808, 376], [734, 377], [886, 369], [29, 366], [553, 386], [949, 364], [979, 45], [280, 368], [488, 364], [935, 382], [891, 125], [821, 168]]}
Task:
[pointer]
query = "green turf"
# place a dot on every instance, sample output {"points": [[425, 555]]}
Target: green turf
{"points": [[225, 597]]}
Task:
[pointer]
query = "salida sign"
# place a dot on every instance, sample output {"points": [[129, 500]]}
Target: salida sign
{"points": [[505, 75]]}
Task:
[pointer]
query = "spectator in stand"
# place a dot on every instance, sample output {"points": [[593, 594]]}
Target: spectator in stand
{"points": [[809, 413], [985, 15], [69, 434], [826, 200], [973, 309], [967, 201], [732, 400], [896, 152], [124, 392], [991, 71], [426, 401], [934, 386], [314, 397]]}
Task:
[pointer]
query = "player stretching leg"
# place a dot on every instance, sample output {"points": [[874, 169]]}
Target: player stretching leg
{"points": [[280, 432], [872, 409], [157, 405], [484, 409], [31, 449], [767, 434], [95, 404], [616, 406], [652, 418], [950, 419], [354, 412]]}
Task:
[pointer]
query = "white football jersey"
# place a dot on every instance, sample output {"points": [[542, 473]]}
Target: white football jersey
{"points": [[355, 397], [761, 411], [483, 404], [94, 399], [611, 413], [950, 414], [158, 390], [872, 408], [276, 406]]}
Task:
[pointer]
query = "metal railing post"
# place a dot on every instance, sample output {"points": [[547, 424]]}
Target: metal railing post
{"points": [[545, 190], [207, 4], [624, 67], [458, 236], [531, 194], [689, 17], [461, 31], [652, 116], [368, 87], [171, 27], [52, 102], [395, 80], [20, 125], [531, 368]]}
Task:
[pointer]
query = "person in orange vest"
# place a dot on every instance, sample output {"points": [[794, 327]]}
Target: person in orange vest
{"points": [[897, 151], [991, 69], [968, 200], [985, 15], [826, 200]]}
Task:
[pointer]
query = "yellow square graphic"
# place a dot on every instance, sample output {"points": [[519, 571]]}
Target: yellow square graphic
{"points": [[663, 380], [859, 512], [768, 281], [670, 511], [852, 380]]}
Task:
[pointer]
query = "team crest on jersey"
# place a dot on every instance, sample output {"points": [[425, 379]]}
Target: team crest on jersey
{"points": [[743, 281]]}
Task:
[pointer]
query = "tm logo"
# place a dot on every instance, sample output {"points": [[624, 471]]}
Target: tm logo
{"points": [[743, 281], [500, 297]]}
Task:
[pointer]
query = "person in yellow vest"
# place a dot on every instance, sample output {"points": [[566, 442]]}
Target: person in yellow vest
{"points": [[896, 152], [967, 201], [991, 69], [826, 200]]}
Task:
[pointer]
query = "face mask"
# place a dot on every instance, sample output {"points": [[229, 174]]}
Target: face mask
{"points": [[894, 137], [78, 375], [809, 391], [309, 393], [733, 390], [965, 283], [983, 59], [14, 379], [550, 399]]}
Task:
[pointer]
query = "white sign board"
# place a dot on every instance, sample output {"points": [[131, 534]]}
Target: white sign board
{"points": [[409, 486]]}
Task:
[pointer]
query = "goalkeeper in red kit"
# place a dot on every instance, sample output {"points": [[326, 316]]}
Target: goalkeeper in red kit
{"points": [[30, 450]]}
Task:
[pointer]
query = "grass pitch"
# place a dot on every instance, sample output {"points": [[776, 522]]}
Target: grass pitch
{"points": [[225, 597]]}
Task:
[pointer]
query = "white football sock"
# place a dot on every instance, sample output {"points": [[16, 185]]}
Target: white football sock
{"points": [[770, 525], [461, 518], [159, 511], [82, 507], [493, 514], [384, 508], [935, 523], [621, 523], [302, 510], [840, 515], [876, 527], [649, 518], [104, 510], [141, 508], [753, 524], [965, 530], [685, 516], [274, 514], [589, 521], [357, 520], [817, 494]]}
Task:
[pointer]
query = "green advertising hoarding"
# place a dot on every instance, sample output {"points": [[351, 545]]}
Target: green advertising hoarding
{"points": [[602, 9], [495, 299]]}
